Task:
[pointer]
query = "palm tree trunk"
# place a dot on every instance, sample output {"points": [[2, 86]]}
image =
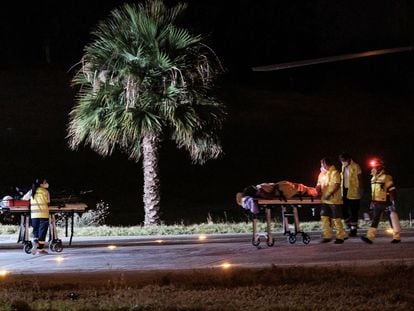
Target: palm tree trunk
{"points": [[150, 144]]}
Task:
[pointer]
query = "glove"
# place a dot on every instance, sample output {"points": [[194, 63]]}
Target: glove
{"points": [[327, 196]]}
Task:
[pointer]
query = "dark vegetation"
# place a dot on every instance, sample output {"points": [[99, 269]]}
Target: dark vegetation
{"points": [[388, 287], [279, 124], [273, 132]]}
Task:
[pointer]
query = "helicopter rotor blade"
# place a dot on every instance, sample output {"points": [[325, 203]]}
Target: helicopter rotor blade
{"points": [[331, 59]]}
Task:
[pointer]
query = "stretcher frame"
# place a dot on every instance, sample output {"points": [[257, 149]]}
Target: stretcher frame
{"points": [[289, 209], [55, 244]]}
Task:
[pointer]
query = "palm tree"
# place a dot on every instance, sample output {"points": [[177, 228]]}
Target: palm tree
{"points": [[143, 79]]}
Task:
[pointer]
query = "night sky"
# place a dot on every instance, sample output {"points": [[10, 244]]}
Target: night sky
{"points": [[280, 124]]}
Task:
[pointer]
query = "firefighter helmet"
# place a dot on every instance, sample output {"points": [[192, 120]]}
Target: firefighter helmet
{"points": [[376, 162]]}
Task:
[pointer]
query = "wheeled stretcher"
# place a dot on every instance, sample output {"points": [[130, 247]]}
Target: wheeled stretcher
{"points": [[22, 207], [289, 210]]}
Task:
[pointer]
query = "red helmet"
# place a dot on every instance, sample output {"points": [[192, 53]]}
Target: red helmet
{"points": [[376, 162]]}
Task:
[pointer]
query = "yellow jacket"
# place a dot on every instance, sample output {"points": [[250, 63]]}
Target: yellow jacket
{"points": [[39, 203], [381, 185], [354, 188], [327, 181]]}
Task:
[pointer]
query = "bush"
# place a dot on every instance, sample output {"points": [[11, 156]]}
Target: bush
{"points": [[94, 217], [91, 218]]}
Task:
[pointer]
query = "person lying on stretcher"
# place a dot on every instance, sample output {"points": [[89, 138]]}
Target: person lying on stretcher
{"points": [[283, 190]]}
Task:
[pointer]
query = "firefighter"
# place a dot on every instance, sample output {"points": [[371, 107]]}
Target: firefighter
{"points": [[39, 207], [351, 189], [383, 196], [328, 186]]}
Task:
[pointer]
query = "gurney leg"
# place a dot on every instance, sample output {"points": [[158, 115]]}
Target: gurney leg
{"points": [[305, 236], [270, 240], [51, 236], [24, 225], [26, 228], [296, 218], [55, 245], [291, 235], [52, 225], [72, 218], [285, 220], [22, 231], [66, 227], [255, 239]]}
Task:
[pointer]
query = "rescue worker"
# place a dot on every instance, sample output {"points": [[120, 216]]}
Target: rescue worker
{"points": [[351, 189], [383, 196], [39, 207], [328, 185]]}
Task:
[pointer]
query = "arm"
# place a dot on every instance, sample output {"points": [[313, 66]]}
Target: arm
{"points": [[361, 189], [393, 194], [48, 197], [336, 181], [318, 186], [392, 190], [335, 188], [360, 180]]}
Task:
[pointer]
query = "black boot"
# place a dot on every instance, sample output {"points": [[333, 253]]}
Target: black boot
{"points": [[366, 240], [353, 232], [326, 240]]}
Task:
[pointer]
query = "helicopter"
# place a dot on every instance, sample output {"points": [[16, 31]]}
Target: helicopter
{"points": [[331, 59]]}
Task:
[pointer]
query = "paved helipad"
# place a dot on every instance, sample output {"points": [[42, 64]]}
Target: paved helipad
{"points": [[171, 253]]}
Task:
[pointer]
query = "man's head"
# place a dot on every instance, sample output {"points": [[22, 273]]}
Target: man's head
{"points": [[249, 191], [326, 163], [345, 158], [377, 165]]}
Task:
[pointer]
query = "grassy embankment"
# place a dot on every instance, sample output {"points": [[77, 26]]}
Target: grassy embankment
{"points": [[385, 287], [276, 288]]}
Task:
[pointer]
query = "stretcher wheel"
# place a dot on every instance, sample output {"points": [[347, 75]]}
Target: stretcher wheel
{"points": [[56, 246], [255, 241], [305, 238], [270, 241], [27, 247], [292, 238]]}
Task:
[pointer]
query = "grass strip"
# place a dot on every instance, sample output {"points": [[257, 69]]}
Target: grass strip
{"points": [[388, 287], [203, 228]]}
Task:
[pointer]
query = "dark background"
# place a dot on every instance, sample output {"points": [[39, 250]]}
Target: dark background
{"points": [[279, 125]]}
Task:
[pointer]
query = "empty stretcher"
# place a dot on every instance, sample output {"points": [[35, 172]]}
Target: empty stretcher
{"points": [[22, 207], [289, 205]]}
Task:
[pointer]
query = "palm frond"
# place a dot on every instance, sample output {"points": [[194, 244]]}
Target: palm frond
{"points": [[180, 38], [143, 74]]}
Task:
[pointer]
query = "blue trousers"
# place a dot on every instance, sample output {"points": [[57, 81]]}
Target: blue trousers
{"points": [[40, 227], [350, 210], [331, 210]]}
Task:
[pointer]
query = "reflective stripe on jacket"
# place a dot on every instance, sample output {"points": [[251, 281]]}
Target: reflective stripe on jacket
{"points": [[354, 189], [327, 181], [39, 204], [381, 184]]}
